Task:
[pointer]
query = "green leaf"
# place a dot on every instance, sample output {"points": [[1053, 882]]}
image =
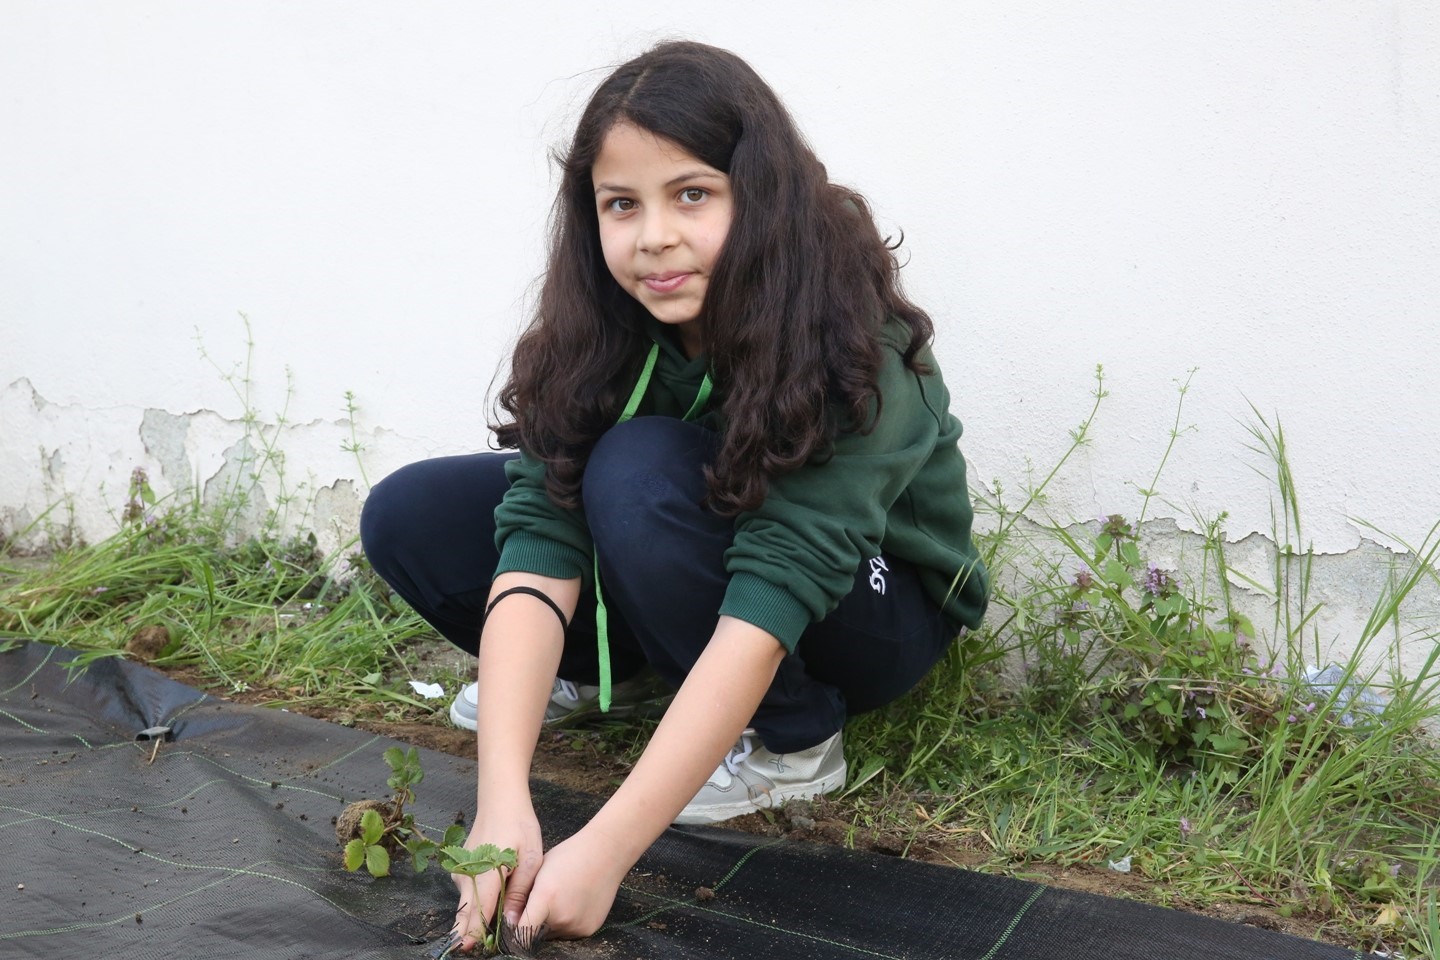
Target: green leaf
{"points": [[395, 757], [372, 828], [377, 861], [354, 854], [421, 853], [454, 835], [1114, 571], [451, 854], [482, 859], [1226, 744]]}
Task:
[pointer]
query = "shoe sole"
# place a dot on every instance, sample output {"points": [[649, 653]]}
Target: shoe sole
{"points": [[716, 813], [459, 719], [649, 708]]}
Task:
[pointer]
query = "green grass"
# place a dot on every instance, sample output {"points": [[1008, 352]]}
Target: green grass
{"points": [[267, 614], [1108, 709], [1154, 721]]}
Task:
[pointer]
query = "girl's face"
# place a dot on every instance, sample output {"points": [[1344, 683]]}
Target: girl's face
{"points": [[663, 219]]}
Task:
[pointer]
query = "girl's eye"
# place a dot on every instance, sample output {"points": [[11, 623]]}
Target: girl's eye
{"points": [[621, 205], [693, 195]]}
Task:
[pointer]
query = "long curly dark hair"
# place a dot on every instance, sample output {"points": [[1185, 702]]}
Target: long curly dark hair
{"points": [[792, 313]]}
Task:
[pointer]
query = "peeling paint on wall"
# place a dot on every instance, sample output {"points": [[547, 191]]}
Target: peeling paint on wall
{"points": [[235, 489], [54, 466], [163, 435], [1339, 591], [337, 516]]}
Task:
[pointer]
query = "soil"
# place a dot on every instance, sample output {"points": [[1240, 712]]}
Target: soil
{"points": [[575, 761]]}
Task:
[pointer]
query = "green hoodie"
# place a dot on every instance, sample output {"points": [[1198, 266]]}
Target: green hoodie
{"points": [[900, 488]]}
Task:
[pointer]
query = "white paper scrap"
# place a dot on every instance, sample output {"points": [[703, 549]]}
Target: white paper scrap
{"points": [[427, 690]]}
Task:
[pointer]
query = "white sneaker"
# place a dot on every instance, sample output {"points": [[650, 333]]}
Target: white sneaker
{"points": [[641, 695], [752, 778]]}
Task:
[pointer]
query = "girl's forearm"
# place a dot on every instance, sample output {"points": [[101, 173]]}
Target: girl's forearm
{"points": [[519, 653], [713, 705]]}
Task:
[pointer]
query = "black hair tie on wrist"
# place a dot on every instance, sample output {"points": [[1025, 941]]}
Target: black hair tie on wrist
{"points": [[533, 592]]}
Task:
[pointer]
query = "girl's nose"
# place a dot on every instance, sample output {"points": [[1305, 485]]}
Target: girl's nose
{"points": [[658, 233]]}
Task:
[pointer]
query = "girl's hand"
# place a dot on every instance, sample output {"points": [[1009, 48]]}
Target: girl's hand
{"points": [[577, 883], [517, 828], [575, 888]]}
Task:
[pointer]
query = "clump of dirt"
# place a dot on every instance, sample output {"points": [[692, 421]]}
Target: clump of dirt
{"points": [[148, 642], [347, 825]]}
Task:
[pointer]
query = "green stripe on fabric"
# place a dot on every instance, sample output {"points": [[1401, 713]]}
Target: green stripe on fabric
{"points": [[1014, 922]]}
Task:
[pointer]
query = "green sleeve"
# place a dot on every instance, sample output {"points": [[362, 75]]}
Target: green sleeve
{"points": [[533, 533], [795, 557]]}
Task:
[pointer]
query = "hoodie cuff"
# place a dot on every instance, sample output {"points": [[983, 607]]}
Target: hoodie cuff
{"points": [[528, 553], [763, 604]]}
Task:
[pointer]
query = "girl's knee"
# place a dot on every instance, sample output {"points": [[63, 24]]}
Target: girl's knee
{"points": [[427, 503], [645, 484], [643, 459], [391, 499], [385, 515]]}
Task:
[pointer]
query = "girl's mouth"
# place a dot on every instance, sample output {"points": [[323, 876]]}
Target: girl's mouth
{"points": [[665, 282]]}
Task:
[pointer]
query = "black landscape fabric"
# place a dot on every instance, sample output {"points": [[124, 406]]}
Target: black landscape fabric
{"points": [[220, 843]]}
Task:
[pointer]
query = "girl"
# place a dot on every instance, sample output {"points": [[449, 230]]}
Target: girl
{"points": [[736, 470]]}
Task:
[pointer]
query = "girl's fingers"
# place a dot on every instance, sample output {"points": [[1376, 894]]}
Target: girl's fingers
{"points": [[471, 925], [519, 885], [459, 941], [536, 914]]}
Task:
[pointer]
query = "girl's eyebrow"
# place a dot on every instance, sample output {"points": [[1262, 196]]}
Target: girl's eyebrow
{"points": [[673, 181], [703, 174]]}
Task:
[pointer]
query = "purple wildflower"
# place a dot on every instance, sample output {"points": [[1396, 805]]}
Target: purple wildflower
{"points": [[1292, 718], [1184, 827], [1200, 712], [1158, 583], [1083, 580]]}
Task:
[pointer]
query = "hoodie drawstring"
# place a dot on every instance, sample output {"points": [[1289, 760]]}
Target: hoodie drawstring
{"points": [[602, 617]]}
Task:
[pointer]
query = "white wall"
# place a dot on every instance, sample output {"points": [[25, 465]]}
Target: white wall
{"points": [[1250, 189]]}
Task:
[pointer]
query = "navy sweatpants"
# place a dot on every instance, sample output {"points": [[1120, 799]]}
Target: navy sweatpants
{"points": [[428, 529]]}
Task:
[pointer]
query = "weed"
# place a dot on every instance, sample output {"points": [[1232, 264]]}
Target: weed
{"points": [[1116, 707]]}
